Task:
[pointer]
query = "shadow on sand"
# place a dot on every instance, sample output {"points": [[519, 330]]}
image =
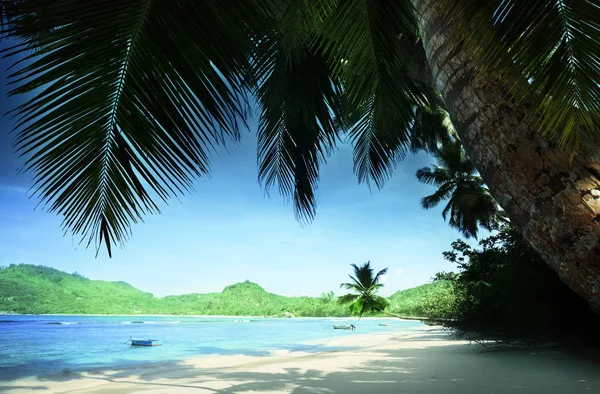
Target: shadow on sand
{"points": [[428, 365]]}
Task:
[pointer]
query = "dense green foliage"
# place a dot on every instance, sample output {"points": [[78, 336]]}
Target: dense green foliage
{"points": [[422, 300], [506, 292], [38, 290]]}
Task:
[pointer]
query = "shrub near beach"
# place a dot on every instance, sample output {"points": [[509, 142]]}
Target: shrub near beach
{"points": [[504, 291]]}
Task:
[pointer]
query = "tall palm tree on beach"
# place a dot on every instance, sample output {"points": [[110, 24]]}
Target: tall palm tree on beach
{"points": [[127, 101], [364, 286], [470, 204]]}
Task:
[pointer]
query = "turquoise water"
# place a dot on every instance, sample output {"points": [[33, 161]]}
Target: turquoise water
{"points": [[42, 345]]}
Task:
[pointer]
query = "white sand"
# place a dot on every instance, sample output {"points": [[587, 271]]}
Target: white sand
{"points": [[426, 361]]}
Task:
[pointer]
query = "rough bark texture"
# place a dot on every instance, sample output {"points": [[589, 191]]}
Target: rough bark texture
{"points": [[555, 203]]}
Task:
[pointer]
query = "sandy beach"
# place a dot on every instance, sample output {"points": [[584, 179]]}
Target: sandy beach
{"points": [[422, 361]]}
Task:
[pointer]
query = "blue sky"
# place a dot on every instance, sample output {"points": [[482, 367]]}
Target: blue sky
{"points": [[228, 230]]}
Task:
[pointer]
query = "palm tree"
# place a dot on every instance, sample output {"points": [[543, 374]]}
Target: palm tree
{"points": [[364, 286], [431, 129], [130, 99], [328, 297], [470, 204]]}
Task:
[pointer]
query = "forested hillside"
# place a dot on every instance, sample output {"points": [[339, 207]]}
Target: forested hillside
{"points": [[417, 301], [39, 290]]}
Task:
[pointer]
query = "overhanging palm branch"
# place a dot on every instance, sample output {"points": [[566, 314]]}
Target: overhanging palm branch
{"points": [[546, 51], [299, 97], [5, 14], [132, 97], [371, 43], [364, 286], [470, 205]]}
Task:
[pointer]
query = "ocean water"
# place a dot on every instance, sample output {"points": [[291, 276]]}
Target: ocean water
{"points": [[44, 345]]}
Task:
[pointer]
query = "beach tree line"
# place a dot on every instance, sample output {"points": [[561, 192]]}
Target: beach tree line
{"points": [[500, 291]]}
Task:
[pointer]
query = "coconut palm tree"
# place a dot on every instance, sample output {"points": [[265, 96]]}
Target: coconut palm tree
{"points": [[128, 99], [431, 129], [364, 286], [470, 204], [328, 297]]}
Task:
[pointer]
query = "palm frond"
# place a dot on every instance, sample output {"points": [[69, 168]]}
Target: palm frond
{"points": [[347, 298], [452, 158], [296, 132], [133, 97], [431, 129], [544, 51], [443, 193], [471, 207], [381, 303], [364, 275], [351, 286], [5, 15], [299, 97], [433, 175], [379, 275], [470, 204], [371, 42]]}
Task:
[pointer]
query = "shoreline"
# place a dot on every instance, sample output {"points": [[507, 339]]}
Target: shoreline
{"points": [[217, 316], [424, 360]]}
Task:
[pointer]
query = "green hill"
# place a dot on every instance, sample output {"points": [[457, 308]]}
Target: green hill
{"points": [[38, 289], [417, 300], [31, 289]]}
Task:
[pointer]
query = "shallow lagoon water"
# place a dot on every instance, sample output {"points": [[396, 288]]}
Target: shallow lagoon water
{"points": [[37, 345]]}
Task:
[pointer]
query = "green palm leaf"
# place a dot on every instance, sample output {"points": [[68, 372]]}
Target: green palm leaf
{"points": [[132, 98], [371, 43], [299, 97], [470, 204], [347, 298], [443, 193], [296, 132], [431, 129], [546, 51]]}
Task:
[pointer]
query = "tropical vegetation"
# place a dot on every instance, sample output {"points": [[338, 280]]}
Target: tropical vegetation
{"points": [[363, 287], [126, 102], [504, 291], [429, 300], [34, 289], [470, 205]]}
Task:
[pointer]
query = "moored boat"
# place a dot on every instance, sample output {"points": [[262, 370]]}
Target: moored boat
{"points": [[145, 342], [342, 327]]}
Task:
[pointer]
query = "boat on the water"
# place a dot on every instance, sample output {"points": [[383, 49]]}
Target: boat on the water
{"points": [[342, 327], [384, 325], [144, 342]]}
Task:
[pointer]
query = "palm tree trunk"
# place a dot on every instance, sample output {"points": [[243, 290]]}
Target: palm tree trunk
{"points": [[555, 203], [398, 316]]}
